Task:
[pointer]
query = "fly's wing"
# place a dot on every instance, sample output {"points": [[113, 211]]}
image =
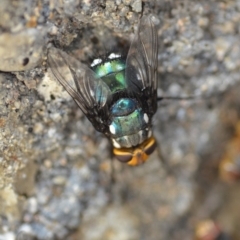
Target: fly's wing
{"points": [[142, 63], [90, 93]]}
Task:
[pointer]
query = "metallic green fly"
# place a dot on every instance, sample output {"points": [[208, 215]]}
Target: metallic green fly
{"points": [[117, 95]]}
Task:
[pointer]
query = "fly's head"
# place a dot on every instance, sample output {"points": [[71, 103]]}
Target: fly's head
{"points": [[136, 155]]}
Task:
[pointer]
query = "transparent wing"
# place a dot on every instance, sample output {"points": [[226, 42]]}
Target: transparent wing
{"points": [[91, 94], [142, 63]]}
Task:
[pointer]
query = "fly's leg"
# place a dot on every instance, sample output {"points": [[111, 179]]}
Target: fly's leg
{"points": [[163, 162], [112, 172], [112, 180]]}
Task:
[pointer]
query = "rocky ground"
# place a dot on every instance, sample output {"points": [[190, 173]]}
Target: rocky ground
{"points": [[58, 180]]}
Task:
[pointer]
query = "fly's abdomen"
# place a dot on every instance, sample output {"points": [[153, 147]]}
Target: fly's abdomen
{"points": [[113, 74], [129, 124]]}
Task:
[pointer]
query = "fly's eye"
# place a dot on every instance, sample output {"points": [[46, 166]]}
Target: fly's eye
{"points": [[122, 154], [150, 146]]}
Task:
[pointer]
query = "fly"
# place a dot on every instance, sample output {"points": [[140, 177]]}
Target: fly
{"points": [[118, 96]]}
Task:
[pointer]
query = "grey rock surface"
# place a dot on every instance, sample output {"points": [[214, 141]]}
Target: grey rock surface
{"points": [[56, 169]]}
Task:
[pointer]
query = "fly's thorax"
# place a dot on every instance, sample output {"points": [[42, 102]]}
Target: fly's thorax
{"points": [[130, 126], [128, 141]]}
